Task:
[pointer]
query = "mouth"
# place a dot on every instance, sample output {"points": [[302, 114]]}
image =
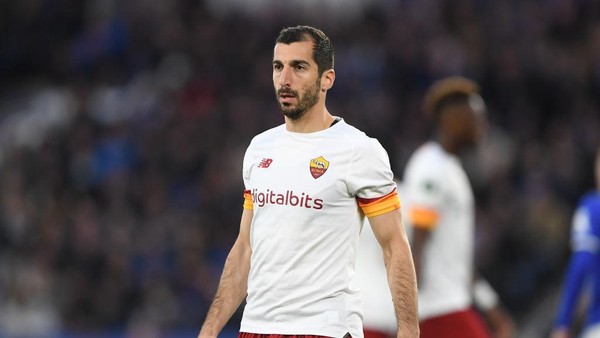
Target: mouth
{"points": [[286, 96]]}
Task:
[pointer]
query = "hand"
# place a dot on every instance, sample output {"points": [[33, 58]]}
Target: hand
{"points": [[561, 332], [501, 323]]}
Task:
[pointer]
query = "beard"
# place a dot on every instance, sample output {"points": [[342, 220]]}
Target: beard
{"points": [[307, 100]]}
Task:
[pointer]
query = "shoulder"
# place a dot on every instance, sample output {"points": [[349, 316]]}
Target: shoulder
{"points": [[587, 214], [344, 129], [356, 138], [590, 201], [268, 135], [592, 197], [586, 221], [428, 157], [260, 142]]}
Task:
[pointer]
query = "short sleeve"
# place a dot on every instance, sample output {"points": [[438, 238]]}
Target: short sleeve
{"points": [[424, 188], [371, 180], [370, 175], [247, 166], [583, 237]]}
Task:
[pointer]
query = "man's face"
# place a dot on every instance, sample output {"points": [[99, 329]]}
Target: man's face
{"points": [[467, 122], [295, 78]]}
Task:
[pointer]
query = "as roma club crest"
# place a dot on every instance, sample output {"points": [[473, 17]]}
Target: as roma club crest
{"points": [[318, 166]]}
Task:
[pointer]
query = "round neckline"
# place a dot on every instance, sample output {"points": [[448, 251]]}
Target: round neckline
{"points": [[315, 133]]}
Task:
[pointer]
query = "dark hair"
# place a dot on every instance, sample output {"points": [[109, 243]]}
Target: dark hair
{"points": [[448, 91], [448, 100], [322, 48]]}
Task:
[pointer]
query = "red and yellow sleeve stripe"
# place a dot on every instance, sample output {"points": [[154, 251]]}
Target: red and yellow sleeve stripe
{"points": [[248, 205], [423, 218], [378, 206]]}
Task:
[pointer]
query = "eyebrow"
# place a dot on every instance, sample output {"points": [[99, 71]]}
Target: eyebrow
{"points": [[293, 63], [299, 63]]}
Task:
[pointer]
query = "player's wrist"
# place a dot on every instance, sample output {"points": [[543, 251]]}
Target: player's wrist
{"points": [[207, 335], [484, 296], [208, 331], [560, 332], [406, 332]]}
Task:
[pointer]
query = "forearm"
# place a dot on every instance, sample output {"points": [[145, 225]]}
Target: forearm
{"points": [[230, 293], [578, 268], [403, 286]]}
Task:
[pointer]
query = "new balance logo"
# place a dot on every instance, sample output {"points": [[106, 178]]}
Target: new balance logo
{"points": [[265, 163]]}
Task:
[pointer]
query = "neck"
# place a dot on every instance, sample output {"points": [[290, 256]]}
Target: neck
{"points": [[312, 121], [449, 144]]}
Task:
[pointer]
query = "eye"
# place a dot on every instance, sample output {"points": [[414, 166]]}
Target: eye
{"points": [[277, 66], [300, 68]]}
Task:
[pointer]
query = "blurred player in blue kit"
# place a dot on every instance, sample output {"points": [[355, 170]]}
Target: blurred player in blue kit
{"points": [[584, 267]]}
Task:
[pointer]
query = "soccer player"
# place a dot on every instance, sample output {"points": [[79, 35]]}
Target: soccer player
{"points": [[441, 210], [584, 266], [309, 183]]}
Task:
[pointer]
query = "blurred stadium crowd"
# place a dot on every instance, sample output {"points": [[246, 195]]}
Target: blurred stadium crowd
{"points": [[123, 125]]}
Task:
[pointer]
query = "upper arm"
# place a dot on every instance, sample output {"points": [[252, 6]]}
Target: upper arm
{"points": [[583, 234], [388, 229], [370, 176], [371, 180], [243, 239], [585, 248], [248, 205], [424, 189]]}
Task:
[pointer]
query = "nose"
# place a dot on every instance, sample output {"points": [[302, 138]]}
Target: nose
{"points": [[285, 77]]}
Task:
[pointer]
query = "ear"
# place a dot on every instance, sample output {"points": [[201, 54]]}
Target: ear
{"points": [[327, 80]]}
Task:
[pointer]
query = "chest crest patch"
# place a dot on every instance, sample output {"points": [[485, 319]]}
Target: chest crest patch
{"points": [[318, 166]]}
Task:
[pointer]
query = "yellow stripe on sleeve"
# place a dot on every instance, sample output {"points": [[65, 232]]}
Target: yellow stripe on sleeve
{"points": [[248, 205], [423, 218], [380, 206]]}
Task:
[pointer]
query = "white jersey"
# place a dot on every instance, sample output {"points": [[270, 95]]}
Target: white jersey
{"points": [[438, 196], [309, 193]]}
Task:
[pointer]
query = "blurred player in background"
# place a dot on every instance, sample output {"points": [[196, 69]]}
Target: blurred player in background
{"points": [[441, 210], [584, 267], [309, 183]]}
